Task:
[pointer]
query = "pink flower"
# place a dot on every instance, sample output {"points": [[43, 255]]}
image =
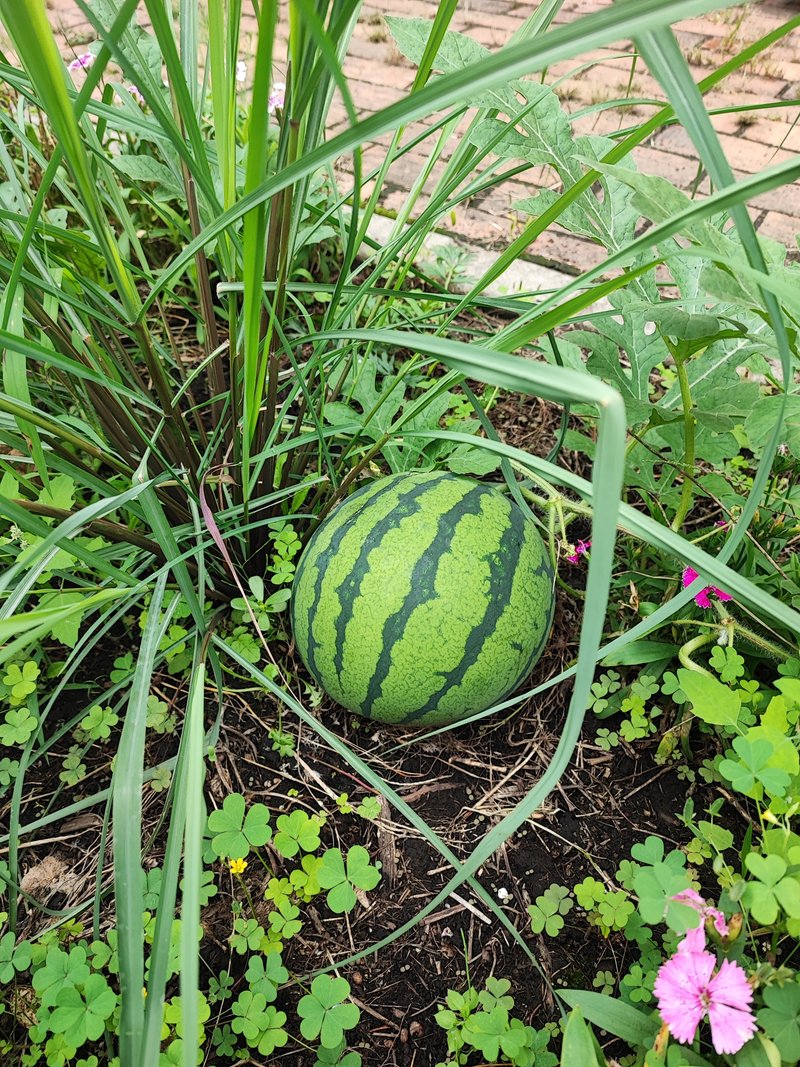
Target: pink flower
{"points": [[135, 93], [581, 549], [701, 599], [81, 62], [693, 940], [276, 97], [706, 911], [687, 990]]}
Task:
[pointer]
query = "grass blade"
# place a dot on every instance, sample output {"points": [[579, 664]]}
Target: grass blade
{"points": [[126, 793]]}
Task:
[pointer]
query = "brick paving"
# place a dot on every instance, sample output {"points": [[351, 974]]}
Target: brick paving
{"points": [[379, 75]]}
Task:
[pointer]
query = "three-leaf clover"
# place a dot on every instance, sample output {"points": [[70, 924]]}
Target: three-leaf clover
{"points": [[340, 882], [13, 957], [61, 970], [548, 911], [248, 934], [323, 1013], [333, 1057], [772, 890], [98, 723], [727, 662], [369, 808], [751, 774], [660, 879], [81, 1015], [283, 920], [494, 995], [296, 831], [614, 910], [74, 769], [781, 1019], [17, 727], [261, 1025], [221, 987], [9, 769], [233, 832], [490, 1032], [159, 717], [21, 681], [266, 975]]}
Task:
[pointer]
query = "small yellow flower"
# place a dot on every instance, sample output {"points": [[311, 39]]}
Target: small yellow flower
{"points": [[238, 866]]}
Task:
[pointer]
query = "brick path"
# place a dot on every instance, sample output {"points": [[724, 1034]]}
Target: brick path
{"points": [[378, 75]]}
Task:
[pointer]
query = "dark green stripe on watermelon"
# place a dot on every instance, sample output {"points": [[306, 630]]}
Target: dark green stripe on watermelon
{"points": [[423, 598], [422, 590], [501, 583], [408, 502], [358, 508]]}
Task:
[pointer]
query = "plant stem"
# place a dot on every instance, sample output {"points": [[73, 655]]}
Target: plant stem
{"points": [[685, 652], [689, 444]]}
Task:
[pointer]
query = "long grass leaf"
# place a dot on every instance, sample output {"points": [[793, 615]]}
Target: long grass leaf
{"points": [[593, 31], [126, 790], [192, 857]]}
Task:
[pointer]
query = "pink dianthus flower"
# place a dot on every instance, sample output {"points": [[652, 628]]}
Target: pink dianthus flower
{"points": [[687, 990], [276, 98], [81, 62], [706, 911], [581, 549], [702, 598]]}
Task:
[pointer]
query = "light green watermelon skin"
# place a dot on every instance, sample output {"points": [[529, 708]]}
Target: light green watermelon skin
{"points": [[422, 599]]}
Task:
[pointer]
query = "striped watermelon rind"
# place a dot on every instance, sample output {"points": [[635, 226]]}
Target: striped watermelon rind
{"points": [[422, 599]]}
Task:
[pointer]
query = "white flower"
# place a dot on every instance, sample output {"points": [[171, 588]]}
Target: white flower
{"points": [[241, 71], [503, 893]]}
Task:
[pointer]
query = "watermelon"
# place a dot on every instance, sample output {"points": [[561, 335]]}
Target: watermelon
{"points": [[423, 598]]}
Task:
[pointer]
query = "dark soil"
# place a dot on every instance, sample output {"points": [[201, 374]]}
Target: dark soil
{"points": [[463, 783]]}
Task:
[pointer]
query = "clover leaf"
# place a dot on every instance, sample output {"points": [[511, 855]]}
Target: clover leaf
{"points": [[546, 914], [369, 808], [751, 774], [98, 723], [221, 987], [17, 727], [261, 1025], [333, 1057], [273, 1034], [174, 1015], [323, 1013], [223, 1041], [233, 832], [296, 831], [341, 882], [660, 879], [81, 1015], [21, 681], [772, 890], [490, 1032], [248, 934], [249, 1010], [61, 970], [494, 994], [781, 1019], [265, 976], [13, 957], [283, 920]]}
